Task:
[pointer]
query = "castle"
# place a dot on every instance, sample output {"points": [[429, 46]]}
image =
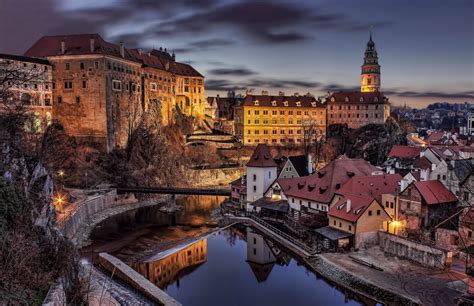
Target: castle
{"points": [[101, 89]]}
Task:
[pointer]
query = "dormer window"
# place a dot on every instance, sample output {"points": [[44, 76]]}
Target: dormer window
{"points": [[298, 103], [285, 103], [333, 99], [361, 99], [346, 99], [256, 103], [274, 103], [376, 99], [313, 104]]}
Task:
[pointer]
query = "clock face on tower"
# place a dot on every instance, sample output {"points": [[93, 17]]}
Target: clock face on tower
{"points": [[370, 75]]}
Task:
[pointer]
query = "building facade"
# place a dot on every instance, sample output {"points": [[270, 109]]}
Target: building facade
{"points": [[27, 82], [102, 89], [279, 120], [357, 109]]}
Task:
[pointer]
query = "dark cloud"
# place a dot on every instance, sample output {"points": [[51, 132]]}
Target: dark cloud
{"points": [[431, 94], [203, 45], [232, 71], [263, 83]]}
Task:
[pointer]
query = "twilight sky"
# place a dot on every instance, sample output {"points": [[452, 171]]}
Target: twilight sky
{"points": [[426, 47]]}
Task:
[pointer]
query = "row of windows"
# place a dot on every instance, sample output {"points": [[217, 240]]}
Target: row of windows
{"points": [[117, 86], [282, 121], [282, 132], [283, 113], [274, 140], [349, 116], [316, 206], [33, 86], [348, 107], [26, 65]]}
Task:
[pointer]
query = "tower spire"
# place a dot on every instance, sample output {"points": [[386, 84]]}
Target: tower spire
{"points": [[370, 76]]}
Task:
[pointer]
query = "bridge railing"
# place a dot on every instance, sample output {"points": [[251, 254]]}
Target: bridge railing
{"points": [[281, 233]]}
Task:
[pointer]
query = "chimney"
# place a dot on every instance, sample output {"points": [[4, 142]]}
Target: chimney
{"points": [[167, 66], [140, 51], [310, 164], [281, 93], [264, 92], [348, 205], [122, 50], [92, 45], [63, 46]]}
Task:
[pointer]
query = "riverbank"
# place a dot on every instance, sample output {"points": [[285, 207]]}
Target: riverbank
{"points": [[400, 282], [81, 237]]}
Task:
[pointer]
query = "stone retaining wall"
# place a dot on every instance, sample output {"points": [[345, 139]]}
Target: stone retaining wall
{"points": [[213, 177], [345, 279], [56, 296], [427, 256], [122, 271], [87, 208]]}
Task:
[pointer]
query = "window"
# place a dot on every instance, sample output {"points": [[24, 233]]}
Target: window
{"points": [[78, 99], [386, 204], [153, 86], [117, 85], [60, 99], [84, 84], [68, 66], [254, 177], [370, 213], [340, 224], [334, 222], [378, 212], [391, 204], [254, 188], [68, 85], [350, 228], [81, 65], [96, 65]]}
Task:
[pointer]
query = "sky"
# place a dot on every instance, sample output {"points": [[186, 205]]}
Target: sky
{"points": [[425, 47]]}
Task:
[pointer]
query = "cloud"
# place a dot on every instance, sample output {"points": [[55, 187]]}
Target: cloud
{"points": [[203, 45], [232, 71], [431, 94], [262, 83]]}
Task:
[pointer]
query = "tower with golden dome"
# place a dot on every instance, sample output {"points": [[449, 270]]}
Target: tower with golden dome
{"points": [[370, 75]]}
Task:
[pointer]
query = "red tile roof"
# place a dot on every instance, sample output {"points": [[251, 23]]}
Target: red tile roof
{"points": [[80, 45], [404, 151], [434, 192], [321, 186], [24, 59], [354, 97], [358, 205], [422, 163], [279, 101], [261, 157], [372, 186]]}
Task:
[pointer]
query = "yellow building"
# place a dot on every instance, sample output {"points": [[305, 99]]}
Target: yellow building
{"points": [[354, 222], [279, 120], [370, 76]]}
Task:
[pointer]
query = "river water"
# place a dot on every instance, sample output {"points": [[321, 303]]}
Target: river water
{"points": [[234, 266]]}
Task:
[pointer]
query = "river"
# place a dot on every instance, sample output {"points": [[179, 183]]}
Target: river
{"points": [[234, 266]]}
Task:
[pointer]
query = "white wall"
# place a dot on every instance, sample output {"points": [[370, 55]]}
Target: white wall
{"points": [[258, 181]]}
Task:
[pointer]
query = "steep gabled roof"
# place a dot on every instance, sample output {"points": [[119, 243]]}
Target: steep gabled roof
{"points": [[404, 151], [434, 192], [300, 163], [321, 186], [261, 157], [372, 186], [358, 205], [281, 101], [422, 163]]}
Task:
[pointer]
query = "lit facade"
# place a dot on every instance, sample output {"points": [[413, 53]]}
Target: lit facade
{"points": [[279, 120], [370, 75], [28, 81]]}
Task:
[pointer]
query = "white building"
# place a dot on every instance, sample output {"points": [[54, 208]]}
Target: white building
{"points": [[261, 173]]}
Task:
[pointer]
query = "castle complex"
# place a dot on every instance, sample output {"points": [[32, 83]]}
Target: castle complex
{"points": [[101, 89]]}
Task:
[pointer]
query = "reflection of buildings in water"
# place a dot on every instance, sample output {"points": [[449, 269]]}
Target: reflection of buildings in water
{"points": [[196, 209], [170, 268], [260, 255]]}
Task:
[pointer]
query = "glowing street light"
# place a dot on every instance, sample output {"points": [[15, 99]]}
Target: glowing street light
{"points": [[61, 173], [59, 201]]}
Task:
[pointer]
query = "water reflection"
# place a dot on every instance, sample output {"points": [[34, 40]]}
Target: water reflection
{"points": [[238, 266], [171, 266]]}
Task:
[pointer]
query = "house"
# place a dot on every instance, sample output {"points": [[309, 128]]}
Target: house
{"points": [[261, 173], [311, 195], [353, 222], [296, 166], [401, 159], [239, 192], [423, 205], [459, 172]]}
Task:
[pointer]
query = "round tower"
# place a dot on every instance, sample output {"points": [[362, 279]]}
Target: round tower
{"points": [[370, 75]]}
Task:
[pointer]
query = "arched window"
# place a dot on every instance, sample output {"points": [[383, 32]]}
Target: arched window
{"points": [[25, 98]]}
